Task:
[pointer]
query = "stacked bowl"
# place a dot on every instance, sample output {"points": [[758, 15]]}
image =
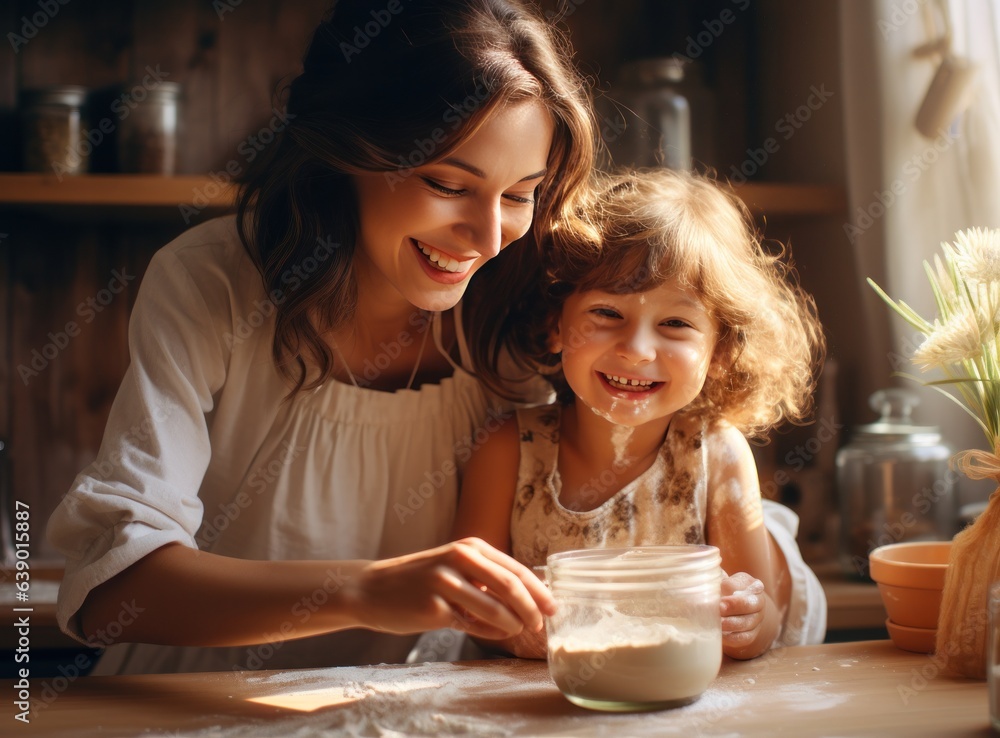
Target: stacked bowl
{"points": [[910, 578]]}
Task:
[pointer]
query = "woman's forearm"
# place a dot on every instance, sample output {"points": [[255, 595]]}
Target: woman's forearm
{"points": [[180, 596]]}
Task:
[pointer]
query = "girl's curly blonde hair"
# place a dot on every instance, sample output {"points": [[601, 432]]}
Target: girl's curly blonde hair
{"points": [[642, 228]]}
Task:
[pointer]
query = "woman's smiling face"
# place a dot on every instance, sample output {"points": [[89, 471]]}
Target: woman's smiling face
{"points": [[638, 357], [423, 235]]}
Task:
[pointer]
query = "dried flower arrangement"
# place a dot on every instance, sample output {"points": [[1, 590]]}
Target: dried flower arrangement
{"points": [[962, 342]]}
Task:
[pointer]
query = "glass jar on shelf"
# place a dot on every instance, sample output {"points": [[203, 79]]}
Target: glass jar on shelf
{"points": [[653, 122], [147, 138], [54, 130], [893, 482]]}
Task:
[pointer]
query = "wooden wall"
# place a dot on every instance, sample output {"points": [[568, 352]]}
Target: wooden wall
{"points": [[230, 66], [52, 412]]}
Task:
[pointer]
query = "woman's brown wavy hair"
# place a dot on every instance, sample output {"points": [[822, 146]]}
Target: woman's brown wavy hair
{"points": [[646, 227], [433, 72]]}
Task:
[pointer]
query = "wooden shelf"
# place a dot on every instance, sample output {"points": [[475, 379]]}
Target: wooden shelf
{"points": [[202, 192], [772, 198], [115, 190]]}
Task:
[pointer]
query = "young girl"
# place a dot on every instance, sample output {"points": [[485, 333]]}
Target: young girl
{"points": [[281, 459], [671, 335]]}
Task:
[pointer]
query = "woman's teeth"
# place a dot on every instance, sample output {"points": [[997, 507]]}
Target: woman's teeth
{"points": [[631, 385], [441, 261]]}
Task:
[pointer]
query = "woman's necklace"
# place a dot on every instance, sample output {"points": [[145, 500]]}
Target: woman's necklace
{"points": [[416, 366]]}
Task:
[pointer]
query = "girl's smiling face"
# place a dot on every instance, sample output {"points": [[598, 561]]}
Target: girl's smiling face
{"points": [[424, 232], [638, 357]]}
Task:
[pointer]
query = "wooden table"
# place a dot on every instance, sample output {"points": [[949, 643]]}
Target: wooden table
{"points": [[848, 689]]}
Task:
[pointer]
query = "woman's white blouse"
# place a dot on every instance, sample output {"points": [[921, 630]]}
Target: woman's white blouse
{"points": [[202, 449]]}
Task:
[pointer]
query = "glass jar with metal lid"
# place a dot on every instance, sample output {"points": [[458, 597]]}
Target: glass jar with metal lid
{"points": [[147, 139], [53, 130], [893, 482], [657, 124]]}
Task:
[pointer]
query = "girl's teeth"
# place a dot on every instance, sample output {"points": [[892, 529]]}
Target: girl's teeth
{"points": [[644, 383], [440, 260]]}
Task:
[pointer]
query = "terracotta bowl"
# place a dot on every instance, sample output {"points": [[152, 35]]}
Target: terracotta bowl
{"points": [[918, 640], [910, 578]]}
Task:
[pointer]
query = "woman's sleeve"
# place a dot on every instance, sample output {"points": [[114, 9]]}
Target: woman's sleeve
{"points": [[805, 623], [141, 492]]}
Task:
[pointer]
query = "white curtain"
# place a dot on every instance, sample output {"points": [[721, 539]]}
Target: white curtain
{"points": [[909, 193]]}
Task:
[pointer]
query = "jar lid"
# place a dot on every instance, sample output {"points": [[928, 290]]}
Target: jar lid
{"points": [[69, 95], [652, 71], [165, 90], [895, 406]]}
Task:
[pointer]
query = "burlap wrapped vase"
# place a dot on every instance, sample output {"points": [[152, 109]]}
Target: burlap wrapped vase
{"points": [[974, 565]]}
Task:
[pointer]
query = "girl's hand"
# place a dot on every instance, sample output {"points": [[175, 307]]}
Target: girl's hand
{"points": [[743, 607], [467, 585]]}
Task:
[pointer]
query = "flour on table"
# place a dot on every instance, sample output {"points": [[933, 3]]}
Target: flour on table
{"points": [[356, 701], [445, 699]]}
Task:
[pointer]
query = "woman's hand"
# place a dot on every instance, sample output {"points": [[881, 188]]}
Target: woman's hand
{"points": [[528, 644], [748, 617], [193, 598], [468, 585]]}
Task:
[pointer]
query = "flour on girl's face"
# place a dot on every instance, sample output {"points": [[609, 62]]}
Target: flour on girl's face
{"points": [[602, 414], [620, 437], [620, 434]]}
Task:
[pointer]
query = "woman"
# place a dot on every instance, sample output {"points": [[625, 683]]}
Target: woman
{"points": [[283, 453]]}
